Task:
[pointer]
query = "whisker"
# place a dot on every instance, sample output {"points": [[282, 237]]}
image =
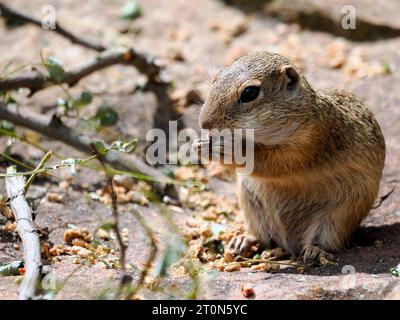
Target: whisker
{"points": [[198, 102], [205, 74], [211, 64], [198, 99], [189, 111]]}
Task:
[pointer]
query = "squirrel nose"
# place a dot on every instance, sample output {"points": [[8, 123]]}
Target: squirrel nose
{"points": [[206, 123]]}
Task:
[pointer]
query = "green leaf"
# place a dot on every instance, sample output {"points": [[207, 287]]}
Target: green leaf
{"points": [[106, 116], [152, 196], [126, 147], [84, 99], [395, 271], [387, 68], [107, 226], [225, 214], [7, 97], [11, 100], [55, 68], [170, 173], [94, 196], [100, 146], [6, 128], [131, 10]]}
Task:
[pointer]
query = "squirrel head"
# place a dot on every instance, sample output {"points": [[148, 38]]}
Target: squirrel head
{"points": [[261, 91]]}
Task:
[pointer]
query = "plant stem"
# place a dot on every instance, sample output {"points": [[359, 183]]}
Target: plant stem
{"points": [[42, 163], [9, 158]]}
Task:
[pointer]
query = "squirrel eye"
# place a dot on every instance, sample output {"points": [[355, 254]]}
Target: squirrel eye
{"points": [[249, 94]]}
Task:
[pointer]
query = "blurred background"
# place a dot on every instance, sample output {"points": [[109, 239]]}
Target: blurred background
{"points": [[191, 40]]}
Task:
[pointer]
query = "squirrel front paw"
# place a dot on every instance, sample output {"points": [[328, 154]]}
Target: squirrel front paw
{"points": [[244, 246], [315, 255]]}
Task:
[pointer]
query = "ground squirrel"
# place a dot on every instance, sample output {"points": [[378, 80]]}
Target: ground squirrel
{"points": [[318, 156]]}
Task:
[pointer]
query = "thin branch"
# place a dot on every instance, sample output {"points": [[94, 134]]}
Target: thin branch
{"points": [[58, 131], [16, 161], [45, 169], [11, 14], [24, 139], [39, 81], [125, 277], [30, 239], [151, 256], [42, 163], [145, 64]]}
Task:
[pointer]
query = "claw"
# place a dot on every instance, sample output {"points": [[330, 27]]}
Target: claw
{"points": [[315, 255], [245, 246]]}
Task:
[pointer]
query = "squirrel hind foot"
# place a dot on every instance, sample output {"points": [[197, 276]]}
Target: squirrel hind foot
{"points": [[315, 255]]}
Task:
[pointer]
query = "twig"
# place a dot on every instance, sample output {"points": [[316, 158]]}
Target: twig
{"points": [[44, 168], [9, 158], [125, 277], [58, 131], [11, 14], [39, 81], [42, 163], [12, 134], [247, 260], [151, 256], [145, 64], [30, 239]]}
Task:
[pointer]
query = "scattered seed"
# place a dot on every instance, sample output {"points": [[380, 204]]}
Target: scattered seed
{"points": [[232, 267], [247, 291], [55, 197]]}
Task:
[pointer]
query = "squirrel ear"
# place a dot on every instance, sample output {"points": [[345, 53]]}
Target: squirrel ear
{"points": [[292, 77]]}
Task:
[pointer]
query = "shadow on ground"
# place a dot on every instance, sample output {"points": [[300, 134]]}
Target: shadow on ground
{"points": [[375, 251], [325, 16]]}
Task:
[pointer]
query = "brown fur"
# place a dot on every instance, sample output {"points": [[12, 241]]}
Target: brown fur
{"points": [[318, 158]]}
